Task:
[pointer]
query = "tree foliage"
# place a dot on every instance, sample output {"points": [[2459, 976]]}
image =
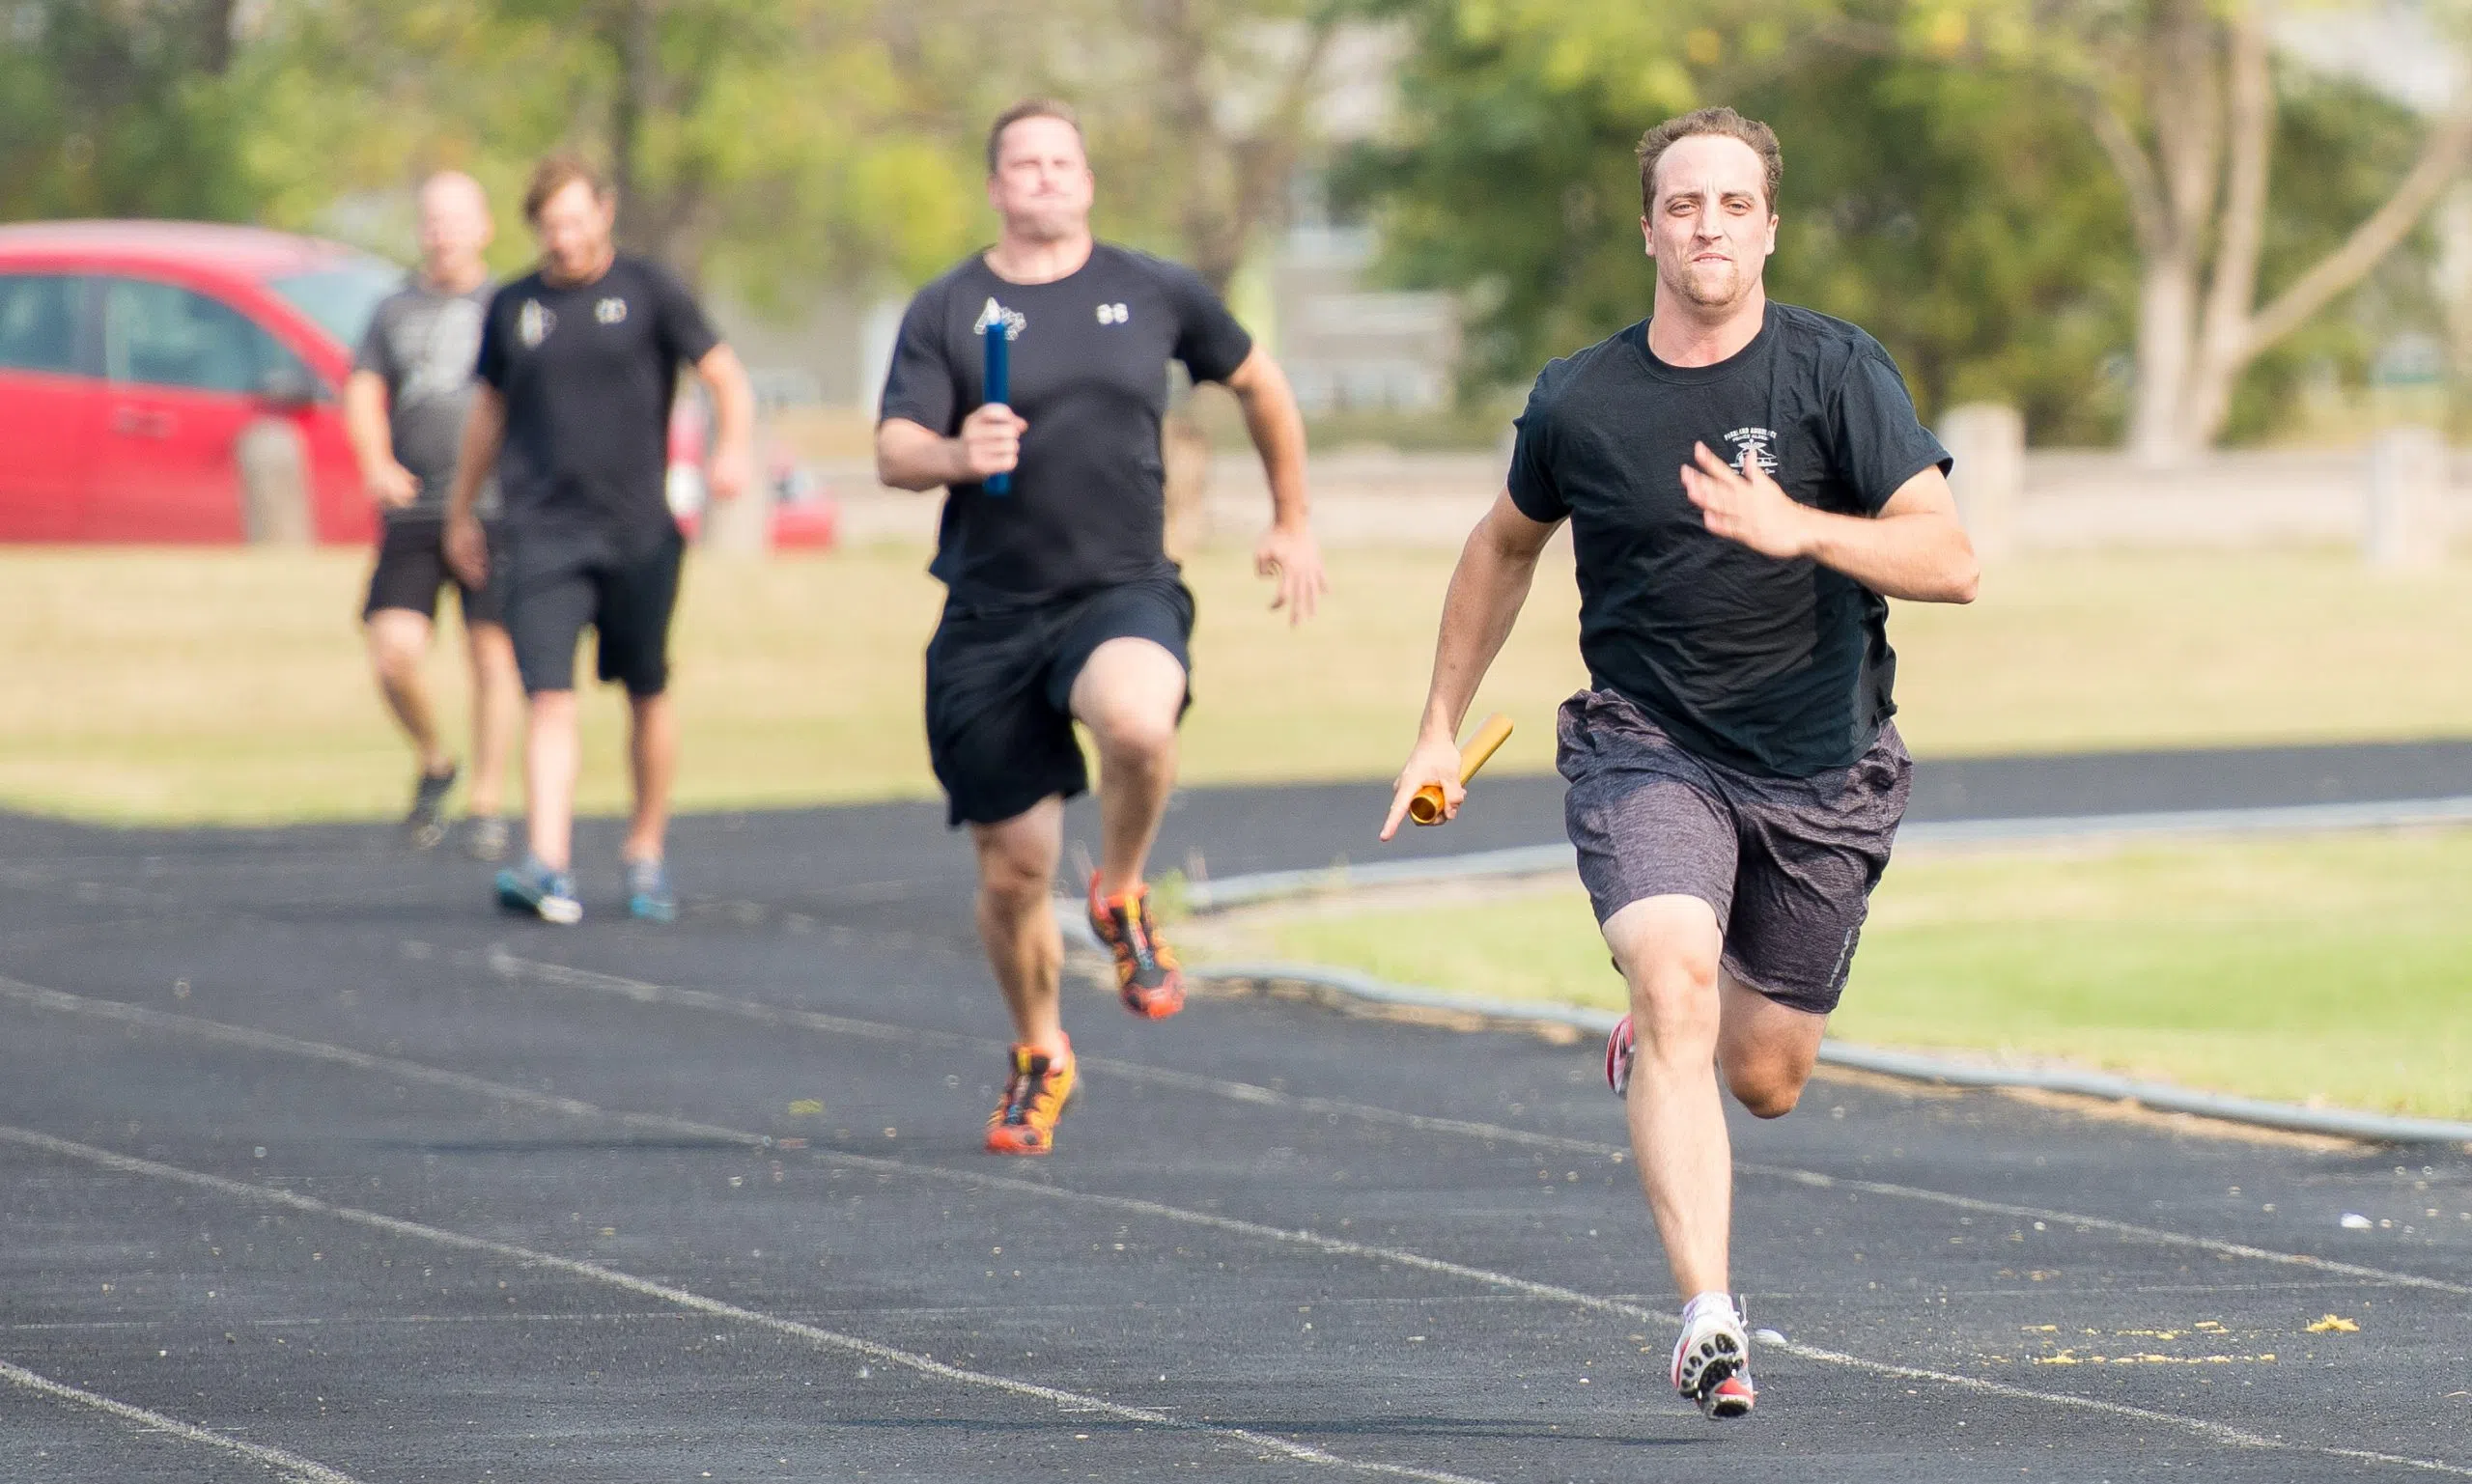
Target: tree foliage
{"points": [[1940, 191]]}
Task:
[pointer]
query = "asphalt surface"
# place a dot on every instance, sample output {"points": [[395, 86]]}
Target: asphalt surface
{"points": [[314, 1168]]}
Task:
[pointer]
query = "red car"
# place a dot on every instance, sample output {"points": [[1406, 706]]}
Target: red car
{"points": [[133, 355]]}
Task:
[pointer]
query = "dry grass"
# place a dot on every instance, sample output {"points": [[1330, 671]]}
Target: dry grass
{"points": [[229, 685], [2305, 969]]}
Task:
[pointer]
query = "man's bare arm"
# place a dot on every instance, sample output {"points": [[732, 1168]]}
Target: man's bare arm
{"points": [[1277, 429], [373, 441], [1287, 551], [484, 435], [732, 464], [1915, 549], [911, 456], [1487, 589]]}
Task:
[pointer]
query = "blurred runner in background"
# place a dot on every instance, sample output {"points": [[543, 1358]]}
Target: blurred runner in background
{"points": [[404, 406], [580, 362]]}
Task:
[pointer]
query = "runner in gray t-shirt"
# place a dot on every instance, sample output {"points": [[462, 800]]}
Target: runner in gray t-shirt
{"points": [[404, 404]]}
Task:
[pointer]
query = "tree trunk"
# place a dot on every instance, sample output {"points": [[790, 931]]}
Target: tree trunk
{"points": [[2167, 303], [2223, 349]]}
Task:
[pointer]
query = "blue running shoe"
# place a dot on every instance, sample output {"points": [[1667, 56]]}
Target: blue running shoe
{"points": [[533, 887], [648, 894]]}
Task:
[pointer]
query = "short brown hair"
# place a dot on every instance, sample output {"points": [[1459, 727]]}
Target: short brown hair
{"points": [[1721, 123], [555, 175], [1028, 108]]}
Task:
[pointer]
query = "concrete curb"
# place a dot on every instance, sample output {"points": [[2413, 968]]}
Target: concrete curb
{"points": [[2376, 1128], [1535, 860]]}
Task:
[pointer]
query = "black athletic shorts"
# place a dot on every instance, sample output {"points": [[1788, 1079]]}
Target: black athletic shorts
{"points": [[556, 589], [411, 567], [1788, 864], [999, 688]]}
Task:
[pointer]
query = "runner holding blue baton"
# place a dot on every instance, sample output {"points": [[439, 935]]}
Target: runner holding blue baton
{"points": [[1062, 604]]}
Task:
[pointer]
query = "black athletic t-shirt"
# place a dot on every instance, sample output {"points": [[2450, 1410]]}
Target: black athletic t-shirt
{"points": [[1774, 667], [1089, 357], [588, 371]]}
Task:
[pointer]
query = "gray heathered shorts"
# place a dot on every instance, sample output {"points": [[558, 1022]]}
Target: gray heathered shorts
{"points": [[1787, 863]]}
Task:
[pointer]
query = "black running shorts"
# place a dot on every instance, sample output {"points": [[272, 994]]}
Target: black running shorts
{"points": [[555, 591], [411, 567], [1787, 863], [999, 687]]}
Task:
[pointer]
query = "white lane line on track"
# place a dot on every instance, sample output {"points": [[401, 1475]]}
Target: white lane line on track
{"points": [[292, 1464], [1334, 1246], [509, 965], [829, 1339], [61, 1001]]}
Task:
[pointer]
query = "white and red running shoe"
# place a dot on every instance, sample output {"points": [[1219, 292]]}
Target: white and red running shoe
{"points": [[1712, 1361], [1617, 1057]]}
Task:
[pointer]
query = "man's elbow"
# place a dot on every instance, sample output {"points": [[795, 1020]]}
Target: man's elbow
{"points": [[1962, 577]]}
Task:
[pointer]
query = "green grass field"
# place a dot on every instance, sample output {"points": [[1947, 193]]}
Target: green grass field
{"points": [[229, 685], [2330, 968]]}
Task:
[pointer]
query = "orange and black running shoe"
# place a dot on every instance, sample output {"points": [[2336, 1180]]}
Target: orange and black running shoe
{"points": [[1034, 1099], [1148, 979]]}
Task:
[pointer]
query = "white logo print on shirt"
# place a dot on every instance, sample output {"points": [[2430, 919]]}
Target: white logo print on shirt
{"points": [[533, 324], [1754, 449], [610, 311], [1113, 314]]}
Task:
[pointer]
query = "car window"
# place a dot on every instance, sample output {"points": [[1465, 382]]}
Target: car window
{"points": [[37, 321], [164, 335], [343, 297]]}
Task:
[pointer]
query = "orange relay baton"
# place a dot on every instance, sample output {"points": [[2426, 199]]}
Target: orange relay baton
{"points": [[1425, 808]]}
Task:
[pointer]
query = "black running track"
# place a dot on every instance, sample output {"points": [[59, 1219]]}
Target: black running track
{"points": [[310, 1168]]}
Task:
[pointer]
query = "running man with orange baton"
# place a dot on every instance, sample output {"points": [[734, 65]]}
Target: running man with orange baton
{"points": [[1747, 484]]}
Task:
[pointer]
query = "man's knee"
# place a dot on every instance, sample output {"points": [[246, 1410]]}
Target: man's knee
{"points": [[1767, 1087], [1134, 733], [1668, 949], [398, 643], [1016, 869]]}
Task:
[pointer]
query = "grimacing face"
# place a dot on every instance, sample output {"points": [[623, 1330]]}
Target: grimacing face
{"points": [[1711, 229], [1042, 185], [455, 227], [574, 229]]}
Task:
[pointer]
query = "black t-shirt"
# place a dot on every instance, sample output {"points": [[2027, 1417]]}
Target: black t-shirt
{"points": [[588, 371], [1774, 667], [1089, 375]]}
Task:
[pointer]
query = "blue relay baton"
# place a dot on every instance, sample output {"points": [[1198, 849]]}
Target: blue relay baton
{"points": [[998, 388]]}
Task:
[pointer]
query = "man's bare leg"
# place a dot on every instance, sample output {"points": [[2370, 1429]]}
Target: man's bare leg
{"points": [[398, 640], [1668, 948], [1017, 864], [1129, 694], [652, 755], [551, 755], [497, 699], [1765, 1049]]}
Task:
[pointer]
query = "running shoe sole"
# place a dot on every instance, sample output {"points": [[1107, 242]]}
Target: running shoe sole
{"points": [[1617, 1057], [645, 909]]}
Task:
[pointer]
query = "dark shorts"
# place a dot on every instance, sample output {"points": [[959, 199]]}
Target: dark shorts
{"points": [[1787, 863], [411, 567], [553, 593], [999, 687]]}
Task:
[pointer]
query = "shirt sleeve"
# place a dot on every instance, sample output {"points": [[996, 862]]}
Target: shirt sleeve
{"points": [[491, 364], [1209, 339], [1530, 480], [1880, 443], [920, 385], [377, 352], [679, 321]]}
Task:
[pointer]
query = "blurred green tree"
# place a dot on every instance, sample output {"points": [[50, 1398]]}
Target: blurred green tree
{"points": [[1963, 178], [109, 110]]}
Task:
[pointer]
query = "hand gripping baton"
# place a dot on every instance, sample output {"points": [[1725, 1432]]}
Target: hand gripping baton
{"points": [[1425, 808]]}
